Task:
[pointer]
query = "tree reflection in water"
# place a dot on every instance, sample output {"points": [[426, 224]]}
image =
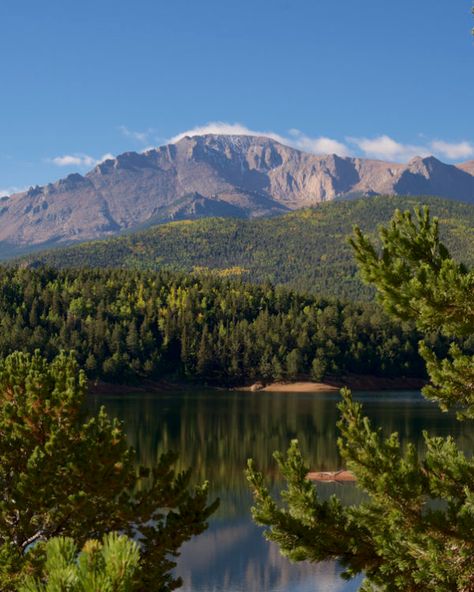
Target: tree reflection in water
{"points": [[216, 431]]}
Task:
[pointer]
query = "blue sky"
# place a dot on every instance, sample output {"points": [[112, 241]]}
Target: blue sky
{"points": [[83, 79]]}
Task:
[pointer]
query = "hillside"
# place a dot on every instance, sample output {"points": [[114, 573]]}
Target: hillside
{"points": [[306, 250], [206, 176]]}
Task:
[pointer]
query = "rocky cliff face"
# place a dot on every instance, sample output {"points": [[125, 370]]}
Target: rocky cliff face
{"points": [[211, 175]]}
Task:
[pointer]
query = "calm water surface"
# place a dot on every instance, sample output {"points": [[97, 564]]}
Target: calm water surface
{"points": [[216, 431]]}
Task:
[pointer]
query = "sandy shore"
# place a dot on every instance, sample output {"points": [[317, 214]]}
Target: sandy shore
{"points": [[292, 387], [354, 382]]}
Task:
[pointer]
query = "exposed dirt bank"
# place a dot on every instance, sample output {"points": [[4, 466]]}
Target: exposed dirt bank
{"points": [[290, 387]]}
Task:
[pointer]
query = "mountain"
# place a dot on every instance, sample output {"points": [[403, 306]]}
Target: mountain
{"points": [[467, 167], [306, 249], [202, 176]]}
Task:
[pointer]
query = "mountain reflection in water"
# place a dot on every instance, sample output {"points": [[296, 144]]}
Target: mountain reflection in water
{"points": [[216, 431]]}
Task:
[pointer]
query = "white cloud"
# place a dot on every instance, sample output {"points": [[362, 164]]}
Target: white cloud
{"points": [[386, 148], [452, 150], [106, 156], [296, 138], [73, 160], [11, 190], [140, 137], [223, 128], [321, 145], [79, 160]]}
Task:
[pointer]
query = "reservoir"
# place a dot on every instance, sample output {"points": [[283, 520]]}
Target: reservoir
{"points": [[215, 432]]}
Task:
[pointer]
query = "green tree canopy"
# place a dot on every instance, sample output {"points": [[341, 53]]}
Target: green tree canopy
{"points": [[64, 474], [128, 325], [109, 566], [416, 531]]}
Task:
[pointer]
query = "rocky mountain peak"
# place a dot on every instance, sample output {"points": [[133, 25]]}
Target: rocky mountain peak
{"points": [[209, 175], [424, 165], [71, 182]]}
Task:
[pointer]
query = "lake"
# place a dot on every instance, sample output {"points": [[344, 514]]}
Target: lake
{"points": [[216, 431]]}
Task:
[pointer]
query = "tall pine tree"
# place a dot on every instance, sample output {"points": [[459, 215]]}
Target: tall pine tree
{"points": [[416, 531]]}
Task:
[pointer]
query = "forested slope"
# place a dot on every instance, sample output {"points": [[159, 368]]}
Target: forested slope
{"points": [[306, 250], [127, 325]]}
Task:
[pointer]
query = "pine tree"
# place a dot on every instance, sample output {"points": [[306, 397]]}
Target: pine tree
{"points": [[204, 355], [416, 532], [33, 317], [318, 369], [132, 340], [277, 369], [110, 564], [91, 364], [62, 474], [293, 363]]}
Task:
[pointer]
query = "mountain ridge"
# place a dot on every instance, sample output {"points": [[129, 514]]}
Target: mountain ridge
{"points": [[209, 175]]}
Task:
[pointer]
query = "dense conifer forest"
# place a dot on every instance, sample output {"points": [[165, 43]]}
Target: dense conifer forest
{"points": [[306, 250], [127, 325]]}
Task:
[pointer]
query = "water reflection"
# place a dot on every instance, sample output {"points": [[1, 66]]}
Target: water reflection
{"points": [[232, 556], [215, 432]]}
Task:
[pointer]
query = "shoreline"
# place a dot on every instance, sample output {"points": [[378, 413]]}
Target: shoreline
{"points": [[289, 387], [100, 387], [353, 382], [331, 384]]}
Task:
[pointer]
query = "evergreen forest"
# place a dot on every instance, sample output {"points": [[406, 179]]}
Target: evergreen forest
{"points": [[127, 325]]}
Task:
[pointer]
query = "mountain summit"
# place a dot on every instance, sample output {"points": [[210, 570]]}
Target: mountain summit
{"points": [[209, 175]]}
